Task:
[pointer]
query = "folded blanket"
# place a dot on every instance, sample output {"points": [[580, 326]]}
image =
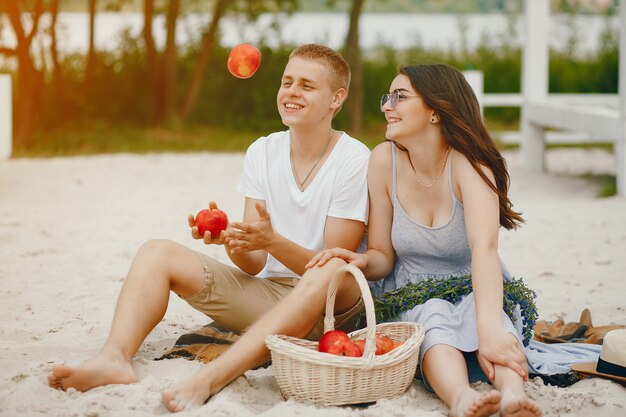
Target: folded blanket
{"points": [[557, 359], [204, 343]]}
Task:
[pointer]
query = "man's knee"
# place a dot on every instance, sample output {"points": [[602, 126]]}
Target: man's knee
{"points": [[167, 256], [317, 279], [157, 247]]}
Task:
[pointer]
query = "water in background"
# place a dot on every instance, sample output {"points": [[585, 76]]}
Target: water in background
{"points": [[444, 31]]}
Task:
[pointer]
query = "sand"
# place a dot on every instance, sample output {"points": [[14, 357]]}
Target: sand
{"points": [[69, 228]]}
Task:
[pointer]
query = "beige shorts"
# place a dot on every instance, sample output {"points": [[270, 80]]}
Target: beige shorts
{"points": [[235, 299]]}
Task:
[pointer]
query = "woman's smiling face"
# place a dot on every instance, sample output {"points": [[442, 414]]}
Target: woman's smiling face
{"points": [[410, 115]]}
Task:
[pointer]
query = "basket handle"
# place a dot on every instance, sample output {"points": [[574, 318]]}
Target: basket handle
{"points": [[370, 316]]}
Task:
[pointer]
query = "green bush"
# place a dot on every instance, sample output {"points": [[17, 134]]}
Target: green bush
{"points": [[120, 95]]}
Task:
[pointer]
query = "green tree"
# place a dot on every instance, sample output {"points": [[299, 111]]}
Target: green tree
{"points": [[354, 105], [29, 77], [252, 9], [162, 66]]}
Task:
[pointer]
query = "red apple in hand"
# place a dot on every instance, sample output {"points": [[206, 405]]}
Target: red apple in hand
{"points": [[212, 220], [243, 60]]}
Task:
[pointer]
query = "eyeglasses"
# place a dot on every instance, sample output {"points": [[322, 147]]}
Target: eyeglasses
{"points": [[393, 98]]}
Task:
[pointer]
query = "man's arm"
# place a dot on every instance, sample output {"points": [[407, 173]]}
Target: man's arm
{"points": [[338, 233], [249, 242], [248, 260]]}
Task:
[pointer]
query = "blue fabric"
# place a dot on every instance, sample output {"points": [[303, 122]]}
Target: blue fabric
{"points": [[557, 358]]}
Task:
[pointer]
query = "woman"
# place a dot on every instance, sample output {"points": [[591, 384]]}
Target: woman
{"points": [[438, 195]]}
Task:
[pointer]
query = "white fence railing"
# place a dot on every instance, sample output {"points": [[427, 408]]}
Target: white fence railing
{"points": [[541, 113], [6, 117], [599, 102], [558, 118]]}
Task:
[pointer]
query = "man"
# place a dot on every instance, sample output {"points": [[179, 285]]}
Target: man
{"points": [[305, 190]]}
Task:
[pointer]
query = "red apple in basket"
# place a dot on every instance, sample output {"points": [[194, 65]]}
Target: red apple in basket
{"points": [[212, 220], [337, 342], [346, 349], [384, 344], [361, 345]]}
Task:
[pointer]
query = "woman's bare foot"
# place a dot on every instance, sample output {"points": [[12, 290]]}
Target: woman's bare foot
{"points": [[192, 392], [471, 403], [517, 404], [103, 369]]}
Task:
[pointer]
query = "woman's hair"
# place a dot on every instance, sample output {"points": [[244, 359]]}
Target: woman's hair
{"points": [[446, 91]]}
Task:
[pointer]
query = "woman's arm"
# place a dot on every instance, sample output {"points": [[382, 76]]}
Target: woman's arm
{"points": [[380, 253], [379, 258], [482, 222]]}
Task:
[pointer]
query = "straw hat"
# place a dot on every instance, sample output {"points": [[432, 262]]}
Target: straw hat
{"points": [[612, 361]]}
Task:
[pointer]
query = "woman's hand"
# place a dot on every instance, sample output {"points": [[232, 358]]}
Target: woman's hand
{"points": [[357, 259], [207, 238], [501, 348], [245, 237]]}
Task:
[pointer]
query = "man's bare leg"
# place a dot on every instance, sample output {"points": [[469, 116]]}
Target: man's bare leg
{"points": [[446, 371], [158, 267], [295, 315]]}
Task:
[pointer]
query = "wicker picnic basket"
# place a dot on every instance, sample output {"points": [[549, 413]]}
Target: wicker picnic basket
{"points": [[306, 374]]}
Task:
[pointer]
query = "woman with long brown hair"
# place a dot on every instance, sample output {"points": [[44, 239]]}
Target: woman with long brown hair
{"points": [[438, 195]]}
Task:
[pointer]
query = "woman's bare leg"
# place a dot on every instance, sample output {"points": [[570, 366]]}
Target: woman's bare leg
{"points": [[295, 315], [446, 371], [515, 402], [158, 267]]}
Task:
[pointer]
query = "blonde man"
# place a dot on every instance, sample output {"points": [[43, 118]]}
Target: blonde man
{"points": [[305, 190]]}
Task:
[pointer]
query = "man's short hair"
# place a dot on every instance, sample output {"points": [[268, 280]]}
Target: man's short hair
{"points": [[336, 65]]}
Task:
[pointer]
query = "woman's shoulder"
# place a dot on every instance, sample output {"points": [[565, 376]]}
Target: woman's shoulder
{"points": [[462, 166], [382, 150], [464, 174], [381, 154]]}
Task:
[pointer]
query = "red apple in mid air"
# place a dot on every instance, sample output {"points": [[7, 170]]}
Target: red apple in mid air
{"points": [[213, 220], [243, 60]]}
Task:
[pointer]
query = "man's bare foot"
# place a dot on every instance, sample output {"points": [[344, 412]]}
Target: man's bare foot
{"points": [[191, 393], [518, 405], [101, 370], [471, 403]]}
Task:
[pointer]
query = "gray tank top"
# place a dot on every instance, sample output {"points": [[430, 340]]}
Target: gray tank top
{"points": [[424, 252]]}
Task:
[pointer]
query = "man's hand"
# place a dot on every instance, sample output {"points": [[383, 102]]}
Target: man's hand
{"points": [[207, 238], [245, 237]]}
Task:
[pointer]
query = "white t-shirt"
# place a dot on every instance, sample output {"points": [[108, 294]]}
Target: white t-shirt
{"points": [[338, 190]]}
